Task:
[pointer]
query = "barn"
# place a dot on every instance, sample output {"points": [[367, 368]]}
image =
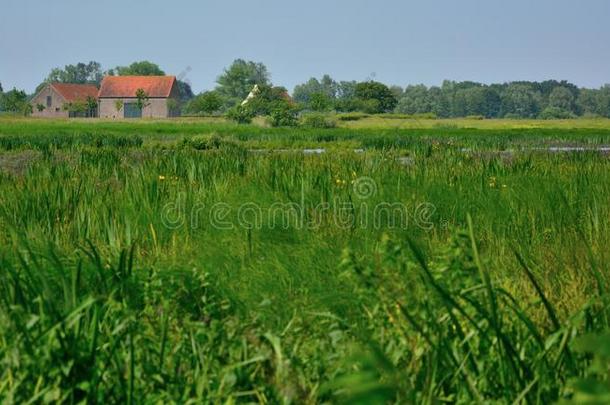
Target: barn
{"points": [[118, 97], [63, 100]]}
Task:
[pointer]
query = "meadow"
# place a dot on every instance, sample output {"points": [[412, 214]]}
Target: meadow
{"points": [[402, 261]]}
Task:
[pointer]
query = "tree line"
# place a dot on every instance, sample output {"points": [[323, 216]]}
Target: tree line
{"points": [[522, 99]]}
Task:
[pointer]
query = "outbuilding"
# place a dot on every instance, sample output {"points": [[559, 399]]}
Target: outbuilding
{"points": [[63, 100], [118, 97]]}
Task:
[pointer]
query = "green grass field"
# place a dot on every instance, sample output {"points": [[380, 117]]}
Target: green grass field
{"points": [[412, 261]]}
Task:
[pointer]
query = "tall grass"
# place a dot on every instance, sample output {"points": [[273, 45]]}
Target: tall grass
{"points": [[498, 294]]}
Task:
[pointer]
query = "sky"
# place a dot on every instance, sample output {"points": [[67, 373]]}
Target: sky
{"points": [[393, 41]]}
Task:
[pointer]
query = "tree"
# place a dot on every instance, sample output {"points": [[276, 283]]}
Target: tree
{"points": [[283, 114], [439, 104], [415, 100], [1, 91], [346, 90], [378, 94], [552, 113], [185, 92], [266, 99], [173, 107], [142, 68], [397, 91], [603, 101], [520, 100], [207, 103], [81, 73], [15, 101], [238, 79], [479, 100], [562, 98], [320, 102], [587, 102], [327, 86], [84, 108], [91, 103], [141, 99], [118, 105], [241, 114]]}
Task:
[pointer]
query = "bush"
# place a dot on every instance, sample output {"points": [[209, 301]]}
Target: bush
{"points": [[475, 117], [417, 116], [283, 115], [212, 142], [206, 103], [203, 142], [241, 114], [352, 116], [319, 121], [555, 113]]}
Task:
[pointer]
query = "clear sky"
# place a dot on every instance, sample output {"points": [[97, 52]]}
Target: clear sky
{"points": [[394, 41]]}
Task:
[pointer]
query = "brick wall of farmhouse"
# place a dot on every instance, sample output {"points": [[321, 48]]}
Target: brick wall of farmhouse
{"points": [[56, 108], [157, 108]]}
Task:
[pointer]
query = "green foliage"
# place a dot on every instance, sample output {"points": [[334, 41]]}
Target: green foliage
{"points": [[283, 114], [241, 114], [143, 68], [16, 102], [562, 98], [102, 301], [118, 105], [375, 97], [521, 100], [325, 87], [595, 387], [203, 142], [352, 116], [551, 113], [141, 99], [320, 102], [81, 73], [208, 103], [267, 98], [173, 107], [317, 120], [85, 108], [237, 80]]}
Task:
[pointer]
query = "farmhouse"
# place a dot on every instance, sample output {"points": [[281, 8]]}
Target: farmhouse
{"points": [[118, 97], [63, 100]]}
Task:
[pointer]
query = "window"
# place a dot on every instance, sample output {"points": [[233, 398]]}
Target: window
{"points": [[49, 101]]}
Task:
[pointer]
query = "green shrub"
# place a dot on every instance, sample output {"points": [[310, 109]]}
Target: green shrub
{"points": [[475, 117], [354, 116], [241, 114], [283, 115], [417, 116], [203, 142], [556, 113], [319, 121]]}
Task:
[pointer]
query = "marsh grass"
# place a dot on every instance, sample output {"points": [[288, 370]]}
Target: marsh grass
{"points": [[102, 302]]}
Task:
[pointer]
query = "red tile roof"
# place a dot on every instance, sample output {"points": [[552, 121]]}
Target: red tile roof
{"points": [[75, 92], [126, 86]]}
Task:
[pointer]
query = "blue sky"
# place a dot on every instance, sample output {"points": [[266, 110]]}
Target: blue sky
{"points": [[396, 42]]}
